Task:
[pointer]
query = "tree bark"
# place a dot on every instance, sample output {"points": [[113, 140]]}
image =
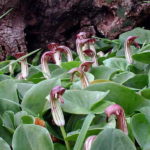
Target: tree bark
{"points": [[33, 24]]}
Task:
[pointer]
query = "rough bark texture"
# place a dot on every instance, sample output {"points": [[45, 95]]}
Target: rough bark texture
{"points": [[44, 21]]}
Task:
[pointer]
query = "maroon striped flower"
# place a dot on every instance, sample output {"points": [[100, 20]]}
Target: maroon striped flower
{"points": [[55, 100], [24, 65], [66, 50], [118, 111], [80, 72], [129, 41], [47, 56], [85, 44]]}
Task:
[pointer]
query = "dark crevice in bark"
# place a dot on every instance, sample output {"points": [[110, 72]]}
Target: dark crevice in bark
{"points": [[34, 24]]}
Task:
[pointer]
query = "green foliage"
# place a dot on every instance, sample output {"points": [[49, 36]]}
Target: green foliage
{"points": [[26, 121]]}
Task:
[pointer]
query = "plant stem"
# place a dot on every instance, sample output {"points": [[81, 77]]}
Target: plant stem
{"points": [[64, 136]]}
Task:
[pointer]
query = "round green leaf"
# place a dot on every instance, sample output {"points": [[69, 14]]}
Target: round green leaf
{"points": [[146, 93], [123, 77], [142, 57], [9, 94], [34, 100], [103, 72], [112, 139], [141, 130], [31, 137], [82, 102], [139, 81], [4, 145], [69, 65], [117, 63], [119, 94]]}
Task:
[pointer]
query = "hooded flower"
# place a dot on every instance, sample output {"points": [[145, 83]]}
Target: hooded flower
{"points": [[118, 111], [24, 65], [86, 46], [80, 72], [67, 51], [92, 54], [47, 56], [55, 100], [57, 55], [129, 41]]}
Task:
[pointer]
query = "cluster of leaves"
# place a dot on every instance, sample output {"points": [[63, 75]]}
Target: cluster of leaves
{"points": [[113, 81]]}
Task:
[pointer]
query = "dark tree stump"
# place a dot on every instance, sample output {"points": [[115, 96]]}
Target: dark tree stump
{"points": [[44, 21]]}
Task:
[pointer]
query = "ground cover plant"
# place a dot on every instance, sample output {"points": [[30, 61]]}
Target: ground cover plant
{"points": [[95, 99]]}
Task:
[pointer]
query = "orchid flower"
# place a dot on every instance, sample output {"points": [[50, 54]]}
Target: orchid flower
{"points": [[84, 44], [88, 142], [91, 54], [118, 111], [55, 100], [57, 55], [80, 72], [44, 63], [79, 44], [24, 65], [66, 50], [130, 40], [57, 114]]}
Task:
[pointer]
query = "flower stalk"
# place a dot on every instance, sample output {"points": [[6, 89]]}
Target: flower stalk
{"points": [[118, 111]]}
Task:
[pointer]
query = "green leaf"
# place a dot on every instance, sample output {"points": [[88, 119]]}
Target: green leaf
{"points": [[6, 104], [27, 119], [103, 72], [112, 139], [84, 129], [18, 116], [31, 137], [143, 35], [8, 121], [81, 101], [142, 57], [23, 88], [123, 77], [4, 145], [117, 63], [58, 146], [119, 94], [69, 65], [141, 130], [4, 77], [35, 99], [8, 96], [146, 93], [139, 81], [4, 133]]}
